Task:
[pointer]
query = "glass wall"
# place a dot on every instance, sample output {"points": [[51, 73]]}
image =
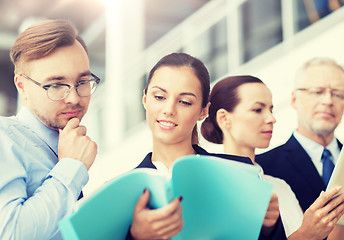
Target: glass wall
{"points": [[261, 26], [133, 101], [8, 91], [212, 49], [253, 26], [311, 11]]}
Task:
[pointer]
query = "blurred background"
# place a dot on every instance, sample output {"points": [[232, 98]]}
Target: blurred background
{"points": [[269, 39]]}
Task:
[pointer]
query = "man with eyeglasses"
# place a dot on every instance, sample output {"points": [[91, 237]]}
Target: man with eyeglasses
{"points": [[45, 152], [307, 159]]}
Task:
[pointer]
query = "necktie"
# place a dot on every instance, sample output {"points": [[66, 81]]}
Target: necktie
{"points": [[328, 165]]}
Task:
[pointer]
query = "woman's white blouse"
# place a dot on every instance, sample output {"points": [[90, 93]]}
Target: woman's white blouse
{"points": [[290, 210]]}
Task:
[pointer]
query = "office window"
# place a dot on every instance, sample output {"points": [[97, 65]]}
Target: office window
{"points": [[134, 111], [8, 91], [310, 11], [262, 26], [211, 48]]}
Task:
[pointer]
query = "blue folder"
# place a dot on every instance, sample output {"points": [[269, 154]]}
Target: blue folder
{"points": [[222, 199]]}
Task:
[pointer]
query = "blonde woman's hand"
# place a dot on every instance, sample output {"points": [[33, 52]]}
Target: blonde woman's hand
{"points": [[162, 223]]}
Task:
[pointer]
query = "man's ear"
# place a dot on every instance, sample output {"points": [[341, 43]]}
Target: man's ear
{"points": [[144, 99], [222, 118], [204, 112], [18, 82], [293, 99]]}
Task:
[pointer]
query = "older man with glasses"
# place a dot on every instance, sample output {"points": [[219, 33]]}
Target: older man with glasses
{"points": [[45, 153], [307, 159]]}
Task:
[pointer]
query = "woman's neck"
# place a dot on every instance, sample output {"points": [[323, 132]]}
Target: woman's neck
{"points": [[167, 154], [235, 149]]}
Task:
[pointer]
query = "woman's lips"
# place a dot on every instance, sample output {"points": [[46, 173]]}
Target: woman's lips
{"points": [[268, 133], [167, 124]]}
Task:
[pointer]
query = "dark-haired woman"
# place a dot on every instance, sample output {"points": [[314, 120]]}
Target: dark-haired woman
{"points": [[240, 118]]}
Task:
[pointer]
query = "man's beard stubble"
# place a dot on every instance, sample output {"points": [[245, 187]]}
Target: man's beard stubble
{"points": [[55, 124]]}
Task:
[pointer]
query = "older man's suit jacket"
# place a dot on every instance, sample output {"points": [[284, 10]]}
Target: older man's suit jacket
{"points": [[291, 163]]}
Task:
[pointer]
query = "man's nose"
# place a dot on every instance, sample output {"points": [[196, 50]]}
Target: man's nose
{"points": [[327, 97], [72, 96]]}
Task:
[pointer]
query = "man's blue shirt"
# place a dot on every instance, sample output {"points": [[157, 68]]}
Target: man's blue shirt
{"points": [[36, 189]]}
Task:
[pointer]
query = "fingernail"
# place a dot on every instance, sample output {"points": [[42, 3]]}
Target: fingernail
{"points": [[144, 190], [180, 199]]}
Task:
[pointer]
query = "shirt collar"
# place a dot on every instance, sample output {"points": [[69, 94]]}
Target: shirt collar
{"points": [[315, 150], [161, 167], [48, 135]]}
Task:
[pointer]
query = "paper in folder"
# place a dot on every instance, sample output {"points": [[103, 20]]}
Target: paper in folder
{"points": [[222, 199]]}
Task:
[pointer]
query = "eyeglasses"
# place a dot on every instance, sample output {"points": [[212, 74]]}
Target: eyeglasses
{"points": [[318, 92], [59, 91]]}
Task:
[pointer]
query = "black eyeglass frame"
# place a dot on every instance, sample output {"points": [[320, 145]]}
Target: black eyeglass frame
{"points": [[47, 86]]}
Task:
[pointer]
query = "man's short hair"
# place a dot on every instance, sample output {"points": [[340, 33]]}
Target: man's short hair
{"points": [[42, 39], [313, 62]]}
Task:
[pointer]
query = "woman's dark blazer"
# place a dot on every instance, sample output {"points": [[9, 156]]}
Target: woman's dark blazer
{"points": [[147, 161]]}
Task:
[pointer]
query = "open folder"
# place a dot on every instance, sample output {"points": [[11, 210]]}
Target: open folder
{"points": [[337, 179], [222, 199]]}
